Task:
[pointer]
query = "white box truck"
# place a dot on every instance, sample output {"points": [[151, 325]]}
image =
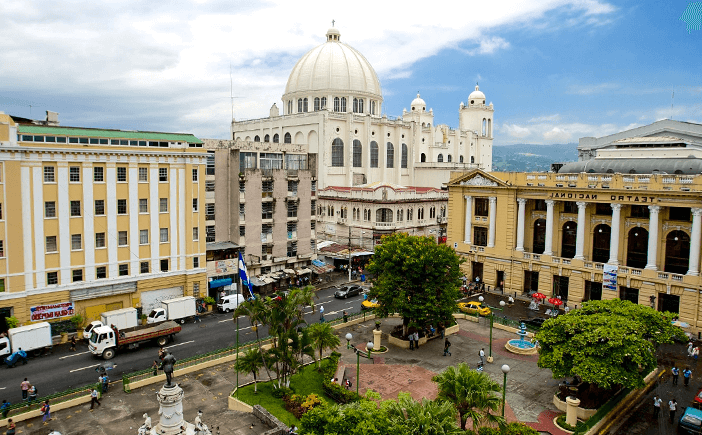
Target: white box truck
{"points": [[122, 319], [33, 339], [178, 309], [230, 303]]}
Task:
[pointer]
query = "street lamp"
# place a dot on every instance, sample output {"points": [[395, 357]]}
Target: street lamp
{"points": [[369, 346], [492, 318], [505, 370], [348, 340], [358, 353]]}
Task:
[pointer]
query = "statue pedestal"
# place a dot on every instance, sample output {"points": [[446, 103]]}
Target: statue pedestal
{"points": [[572, 410], [170, 413], [376, 339]]}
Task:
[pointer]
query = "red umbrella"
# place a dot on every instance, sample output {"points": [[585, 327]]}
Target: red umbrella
{"points": [[538, 296], [555, 301]]}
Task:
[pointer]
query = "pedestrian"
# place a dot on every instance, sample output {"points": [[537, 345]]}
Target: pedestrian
{"points": [[481, 354], [46, 412], [73, 344], [689, 348], [105, 383], [656, 406], [5, 408], [154, 366], [94, 399], [673, 406], [411, 340], [346, 316], [675, 372], [695, 353], [447, 346], [11, 427], [32, 395], [25, 387], [321, 314], [686, 375], [416, 340], [161, 353]]}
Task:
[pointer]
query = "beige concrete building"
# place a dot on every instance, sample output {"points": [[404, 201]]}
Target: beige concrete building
{"points": [[262, 197], [333, 103], [94, 220], [589, 231], [367, 213]]}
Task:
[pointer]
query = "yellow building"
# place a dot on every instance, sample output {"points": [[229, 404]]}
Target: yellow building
{"points": [[583, 236], [93, 220]]}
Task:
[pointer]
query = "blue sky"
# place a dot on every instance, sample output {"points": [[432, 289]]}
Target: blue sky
{"points": [[556, 70]]}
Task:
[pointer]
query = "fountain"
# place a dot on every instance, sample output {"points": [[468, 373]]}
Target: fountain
{"points": [[521, 346]]}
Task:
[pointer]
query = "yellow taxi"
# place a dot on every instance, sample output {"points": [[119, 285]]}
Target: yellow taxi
{"points": [[473, 307], [369, 303]]}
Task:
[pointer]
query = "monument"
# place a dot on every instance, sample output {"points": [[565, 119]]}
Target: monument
{"points": [[170, 399]]}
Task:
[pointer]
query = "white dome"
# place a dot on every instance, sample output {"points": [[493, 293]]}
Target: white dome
{"points": [[334, 67], [418, 103], [476, 95]]}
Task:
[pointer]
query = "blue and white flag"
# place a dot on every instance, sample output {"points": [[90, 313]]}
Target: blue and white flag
{"points": [[242, 274]]}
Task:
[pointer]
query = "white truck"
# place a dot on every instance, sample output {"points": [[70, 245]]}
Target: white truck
{"points": [[122, 319], [32, 339], [105, 341], [178, 309]]}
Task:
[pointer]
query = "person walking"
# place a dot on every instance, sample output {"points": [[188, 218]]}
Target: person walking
{"points": [[656, 406], [689, 348], [73, 344], [411, 340], [321, 314], [11, 427], [46, 412], [447, 346], [695, 353], [481, 354], [94, 399], [676, 373], [25, 387], [673, 406], [686, 376], [346, 316], [5, 408], [105, 383], [32, 395], [416, 340], [154, 366]]}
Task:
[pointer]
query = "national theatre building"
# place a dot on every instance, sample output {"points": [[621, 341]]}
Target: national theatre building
{"points": [[623, 222]]}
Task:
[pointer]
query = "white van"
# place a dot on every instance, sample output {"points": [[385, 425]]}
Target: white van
{"points": [[230, 303]]}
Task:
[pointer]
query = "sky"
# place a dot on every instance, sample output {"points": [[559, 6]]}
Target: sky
{"points": [[555, 70]]}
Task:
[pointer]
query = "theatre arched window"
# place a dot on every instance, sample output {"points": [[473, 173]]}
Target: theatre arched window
{"points": [[343, 104], [374, 154], [337, 153], [316, 104], [390, 155], [403, 158], [440, 158], [357, 153], [257, 138], [337, 104], [287, 138], [267, 138], [423, 158], [276, 138]]}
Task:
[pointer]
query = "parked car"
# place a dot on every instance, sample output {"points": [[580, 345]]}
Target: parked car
{"points": [[473, 307], [347, 290], [690, 421], [535, 322], [368, 304]]}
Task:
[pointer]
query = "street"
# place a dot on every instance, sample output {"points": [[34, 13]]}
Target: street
{"points": [[62, 370]]}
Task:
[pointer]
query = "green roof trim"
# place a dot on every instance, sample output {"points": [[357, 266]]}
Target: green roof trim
{"points": [[112, 134]]}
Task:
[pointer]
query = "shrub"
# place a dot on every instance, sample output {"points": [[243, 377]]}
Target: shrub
{"points": [[282, 392], [488, 431], [209, 300], [298, 405], [561, 421], [333, 390], [11, 322]]}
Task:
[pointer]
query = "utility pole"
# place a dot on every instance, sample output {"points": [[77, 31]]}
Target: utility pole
{"points": [[349, 253]]}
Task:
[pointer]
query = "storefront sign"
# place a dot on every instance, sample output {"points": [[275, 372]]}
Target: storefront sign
{"points": [[609, 277], [619, 198], [632, 198], [53, 311], [226, 266]]}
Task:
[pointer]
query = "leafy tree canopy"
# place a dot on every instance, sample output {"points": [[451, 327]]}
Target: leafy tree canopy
{"points": [[606, 343], [415, 277]]}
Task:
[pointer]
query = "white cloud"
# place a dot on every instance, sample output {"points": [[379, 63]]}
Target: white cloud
{"points": [[515, 130], [554, 117], [557, 135], [548, 132], [156, 65], [591, 89]]}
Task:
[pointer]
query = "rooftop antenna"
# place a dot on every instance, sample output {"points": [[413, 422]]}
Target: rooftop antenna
{"points": [[333, 23], [672, 101], [231, 89]]}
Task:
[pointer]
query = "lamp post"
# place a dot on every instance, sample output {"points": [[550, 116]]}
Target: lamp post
{"points": [[348, 340], [358, 353], [492, 318], [505, 370]]}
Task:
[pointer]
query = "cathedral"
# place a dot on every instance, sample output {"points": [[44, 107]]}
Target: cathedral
{"points": [[333, 105]]}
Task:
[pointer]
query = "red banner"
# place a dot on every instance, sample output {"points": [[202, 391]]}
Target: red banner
{"points": [[52, 311]]}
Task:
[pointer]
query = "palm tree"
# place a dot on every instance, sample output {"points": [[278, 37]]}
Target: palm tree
{"points": [[250, 362], [473, 394], [258, 314], [323, 337], [428, 417]]}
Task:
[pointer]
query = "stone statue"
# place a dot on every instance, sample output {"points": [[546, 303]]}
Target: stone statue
{"points": [[200, 427], [167, 366]]}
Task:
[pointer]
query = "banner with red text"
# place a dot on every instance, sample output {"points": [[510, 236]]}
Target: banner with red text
{"points": [[51, 311]]}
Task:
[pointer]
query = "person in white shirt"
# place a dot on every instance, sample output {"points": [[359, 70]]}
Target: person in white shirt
{"points": [[656, 406], [673, 406], [482, 356]]}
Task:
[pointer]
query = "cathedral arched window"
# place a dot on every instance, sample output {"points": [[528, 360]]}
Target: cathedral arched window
{"points": [[324, 103], [287, 138], [305, 106], [472, 159], [449, 158], [289, 107], [360, 105], [299, 105], [374, 154], [372, 107], [355, 105], [460, 159], [390, 157], [484, 127], [357, 153], [337, 104], [343, 104], [276, 138], [423, 158], [489, 128], [316, 104], [440, 159], [403, 157], [337, 153], [257, 138], [267, 138]]}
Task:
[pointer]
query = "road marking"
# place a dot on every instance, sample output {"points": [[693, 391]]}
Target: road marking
{"points": [[229, 320], [83, 368], [179, 344], [75, 354], [2, 388]]}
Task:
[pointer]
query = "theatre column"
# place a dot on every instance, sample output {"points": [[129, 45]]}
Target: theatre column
{"points": [[493, 213], [548, 245], [614, 237], [520, 223], [469, 219], [580, 237], [694, 266], [651, 261]]}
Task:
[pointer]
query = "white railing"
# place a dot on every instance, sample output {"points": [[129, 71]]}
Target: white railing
{"points": [[531, 177], [573, 178], [592, 178], [636, 271], [599, 266], [628, 179], [607, 178], [527, 256], [537, 257], [555, 260], [560, 177], [588, 265], [623, 270], [542, 177], [668, 180], [481, 249], [662, 275], [566, 261], [644, 179], [678, 278], [686, 180]]}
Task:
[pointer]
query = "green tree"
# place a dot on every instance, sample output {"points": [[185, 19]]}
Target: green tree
{"points": [[323, 338], [473, 393], [257, 312], [425, 417], [416, 278], [606, 343], [250, 362]]}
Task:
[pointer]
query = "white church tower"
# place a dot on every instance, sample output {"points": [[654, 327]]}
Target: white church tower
{"points": [[478, 117]]}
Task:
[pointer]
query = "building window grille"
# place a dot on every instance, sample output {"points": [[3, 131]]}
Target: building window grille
{"points": [[480, 236], [209, 186], [122, 238], [296, 162], [276, 138], [481, 207], [292, 249], [76, 242], [374, 154], [98, 174], [143, 205], [390, 155], [196, 234], [195, 204], [242, 211], [121, 174], [50, 209], [247, 161], [357, 153], [77, 275], [99, 207], [196, 262], [143, 237], [163, 205], [292, 187], [49, 176], [403, 158], [51, 245], [209, 212], [99, 240], [242, 231], [75, 208], [313, 207], [271, 160], [164, 265], [101, 272], [144, 267], [52, 278], [267, 189], [164, 235], [121, 206], [74, 174], [267, 210], [209, 233], [143, 174], [195, 174], [163, 174], [292, 209], [210, 168], [123, 269]]}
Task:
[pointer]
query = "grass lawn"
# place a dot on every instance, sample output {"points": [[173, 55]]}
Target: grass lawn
{"points": [[305, 382]]}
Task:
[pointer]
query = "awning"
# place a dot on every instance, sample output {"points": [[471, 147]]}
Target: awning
{"points": [[359, 254], [303, 271], [216, 283], [217, 246], [289, 271], [257, 282], [319, 267]]}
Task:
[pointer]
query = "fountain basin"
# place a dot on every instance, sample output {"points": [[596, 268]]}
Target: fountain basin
{"points": [[521, 347]]}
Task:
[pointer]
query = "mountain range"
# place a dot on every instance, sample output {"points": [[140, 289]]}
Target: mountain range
{"points": [[531, 157]]}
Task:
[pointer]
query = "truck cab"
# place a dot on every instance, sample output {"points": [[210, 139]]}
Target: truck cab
{"points": [[88, 329], [102, 341], [5, 348], [157, 315]]}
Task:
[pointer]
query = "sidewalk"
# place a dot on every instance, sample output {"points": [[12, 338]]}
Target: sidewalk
{"points": [[529, 389]]}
